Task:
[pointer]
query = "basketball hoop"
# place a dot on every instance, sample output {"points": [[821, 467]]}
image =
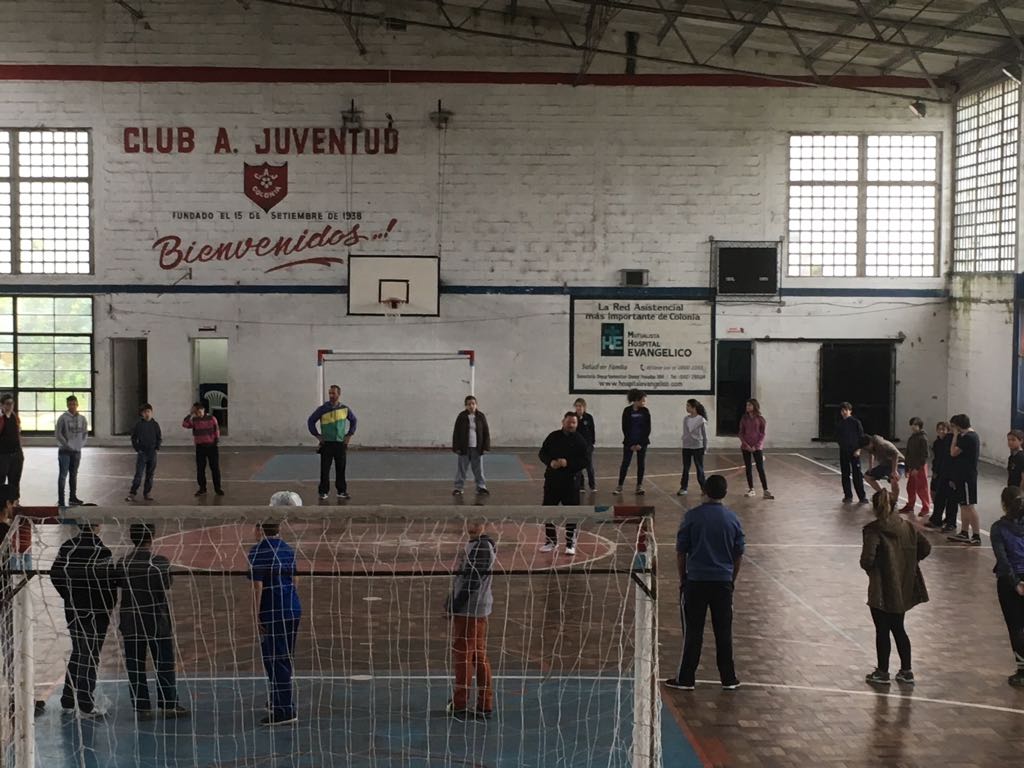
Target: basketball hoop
{"points": [[392, 307]]}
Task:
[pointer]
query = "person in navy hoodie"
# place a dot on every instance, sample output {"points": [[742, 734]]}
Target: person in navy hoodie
{"points": [[636, 436], [1008, 546], [849, 431]]}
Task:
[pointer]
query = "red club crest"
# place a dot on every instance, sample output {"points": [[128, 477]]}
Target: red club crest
{"points": [[266, 185]]}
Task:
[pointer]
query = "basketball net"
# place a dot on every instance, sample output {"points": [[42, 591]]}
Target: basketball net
{"points": [[392, 307]]}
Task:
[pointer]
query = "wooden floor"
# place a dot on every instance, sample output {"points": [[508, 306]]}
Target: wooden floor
{"points": [[803, 635]]}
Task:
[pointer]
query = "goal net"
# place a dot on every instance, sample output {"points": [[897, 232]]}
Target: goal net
{"points": [[402, 399], [571, 641]]}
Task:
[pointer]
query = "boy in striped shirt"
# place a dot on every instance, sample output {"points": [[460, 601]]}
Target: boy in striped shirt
{"points": [[206, 435]]}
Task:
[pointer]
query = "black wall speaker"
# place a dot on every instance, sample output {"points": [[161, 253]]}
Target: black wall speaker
{"points": [[748, 269]]}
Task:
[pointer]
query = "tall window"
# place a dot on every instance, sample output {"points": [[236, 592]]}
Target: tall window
{"points": [[985, 169], [45, 222], [863, 205], [46, 355]]}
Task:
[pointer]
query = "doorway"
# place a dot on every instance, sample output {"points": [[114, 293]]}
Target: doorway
{"points": [[210, 377], [863, 374], [129, 382], [734, 384]]}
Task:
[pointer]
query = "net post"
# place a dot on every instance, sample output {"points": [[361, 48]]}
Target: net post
{"points": [[646, 691], [24, 677]]}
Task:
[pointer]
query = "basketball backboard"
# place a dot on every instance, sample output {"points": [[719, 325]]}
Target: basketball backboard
{"points": [[412, 280]]}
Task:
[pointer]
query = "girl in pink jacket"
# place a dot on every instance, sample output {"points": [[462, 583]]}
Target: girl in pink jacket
{"points": [[752, 431]]}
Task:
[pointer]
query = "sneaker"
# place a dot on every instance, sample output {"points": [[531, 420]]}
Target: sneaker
{"points": [[933, 526], [548, 546], [148, 498], [219, 491], [40, 706], [593, 489], [925, 512], [200, 492], [640, 490], [905, 677], [462, 715], [483, 492], [483, 714], [323, 496], [767, 495], [961, 538], [751, 493], [847, 499], [863, 501], [731, 686], [976, 540], [617, 491], [947, 528], [343, 495], [1016, 679], [145, 714], [905, 509], [176, 711], [271, 720], [682, 492], [570, 549], [678, 685], [878, 677], [94, 712], [130, 497], [456, 491], [76, 502]]}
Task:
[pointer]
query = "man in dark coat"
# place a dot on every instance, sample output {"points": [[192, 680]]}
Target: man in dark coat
{"points": [[471, 439], [564, 454]]}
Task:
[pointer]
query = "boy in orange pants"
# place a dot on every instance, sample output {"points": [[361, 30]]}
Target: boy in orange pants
{"points": [[469, 605]]}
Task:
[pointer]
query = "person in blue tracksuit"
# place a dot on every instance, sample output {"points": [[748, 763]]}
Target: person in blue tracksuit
{"points": [[278, 612]]}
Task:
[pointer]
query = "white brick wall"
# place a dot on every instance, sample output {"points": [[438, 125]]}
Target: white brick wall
{"points": [[543, 186]]}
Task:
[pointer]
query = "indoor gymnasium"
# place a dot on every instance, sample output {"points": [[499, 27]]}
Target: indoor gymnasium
{"points": [[511, 384]]}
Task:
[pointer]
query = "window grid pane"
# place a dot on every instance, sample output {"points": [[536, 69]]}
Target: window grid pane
{"points": [[900, 231], [843, 222], [5, 154], [985, 169], [46, 355], [53, 225], [53, 154], [5, 227]]}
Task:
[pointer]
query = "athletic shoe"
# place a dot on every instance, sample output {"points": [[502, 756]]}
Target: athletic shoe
{"points": [[76, 502], [1016, 679], [682, 492], [731, 686], [878, 677], [456, 491], [976, 540], [145, 714], [462, 715], [961, 538], [40, 706], [483, 492], [344, 495], [219, 491], [925, 512], [148, 498], [483, 714], [617, 491], [751, 493], [324, 496], [933, 526], [177, 711], [905, 677], [271, 720], [767, 495], [94, 712], [678, 685], [640, 490], [593, 489], [200, 492], [863, 501], [570, 549], [905, 509], [548, 546], [847, 499], [130, 497], [947, 528]]}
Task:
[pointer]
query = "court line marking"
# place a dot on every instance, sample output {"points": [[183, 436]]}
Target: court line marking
{"points": [[370, 678], [875, 694], [837, 472]]}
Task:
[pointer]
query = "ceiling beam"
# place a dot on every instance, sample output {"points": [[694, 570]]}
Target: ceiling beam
{"points": [[670, 20], [740, 35], [848, 26], [965, 21]]}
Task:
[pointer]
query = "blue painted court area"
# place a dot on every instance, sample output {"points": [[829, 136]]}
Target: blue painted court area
{"points": [[387, 465], [542, 722]]}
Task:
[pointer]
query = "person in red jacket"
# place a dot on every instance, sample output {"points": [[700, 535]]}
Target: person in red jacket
{"points": [[206, 435], [752, 434]]}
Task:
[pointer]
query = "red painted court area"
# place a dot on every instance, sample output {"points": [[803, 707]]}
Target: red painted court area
{"points": [[406, 548]]}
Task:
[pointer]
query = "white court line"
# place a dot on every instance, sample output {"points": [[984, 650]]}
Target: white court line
{"points": [[837, 472], [874, 694], [368, 678]]}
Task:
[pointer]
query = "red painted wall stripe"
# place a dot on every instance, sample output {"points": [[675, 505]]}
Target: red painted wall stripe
{"points": [[101, 73]]}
